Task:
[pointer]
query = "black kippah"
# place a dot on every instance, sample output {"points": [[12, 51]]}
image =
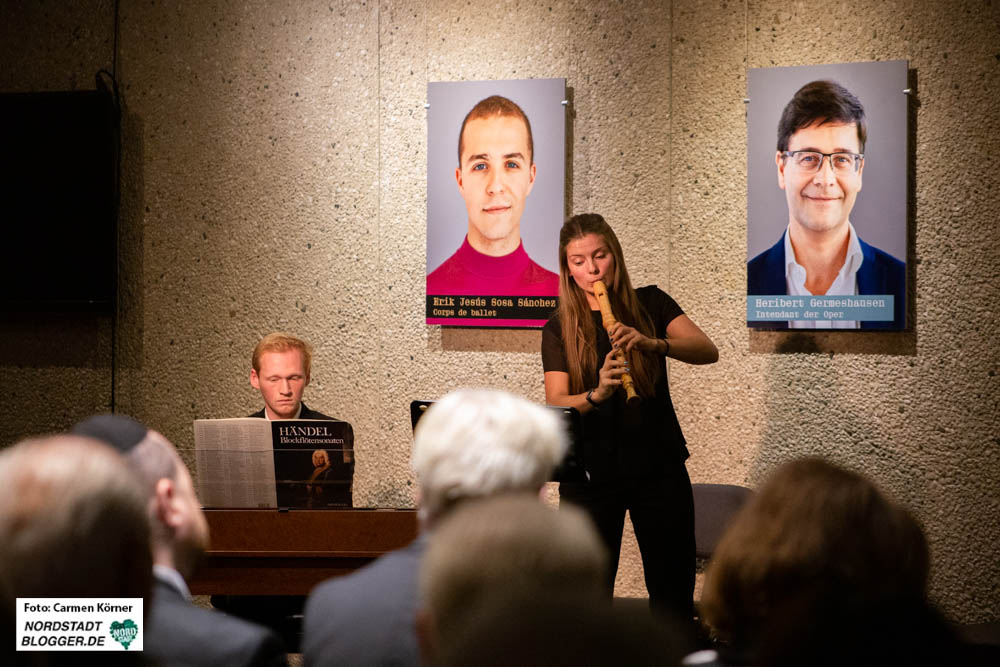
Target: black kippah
{"points": [[122, 433]]}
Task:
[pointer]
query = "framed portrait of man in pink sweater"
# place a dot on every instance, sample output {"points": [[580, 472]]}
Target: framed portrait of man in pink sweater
{"points": [[495, 201]]}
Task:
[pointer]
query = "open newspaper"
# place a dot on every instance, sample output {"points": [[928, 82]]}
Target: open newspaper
{"points": [[295, 463]]}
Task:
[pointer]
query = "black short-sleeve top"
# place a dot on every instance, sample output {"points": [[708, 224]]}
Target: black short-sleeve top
{"points": [[617, 443]]}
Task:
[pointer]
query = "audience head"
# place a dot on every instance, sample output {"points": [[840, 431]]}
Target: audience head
{"points": [[509, 545], [546, 631], [178, 526], [818, 547], [72, 522], [480, 442]]}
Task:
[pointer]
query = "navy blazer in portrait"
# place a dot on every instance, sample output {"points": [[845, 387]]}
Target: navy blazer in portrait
{"points": [[880, 273]]}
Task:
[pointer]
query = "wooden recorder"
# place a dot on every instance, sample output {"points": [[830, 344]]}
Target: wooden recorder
{"points": [[608, 319]]}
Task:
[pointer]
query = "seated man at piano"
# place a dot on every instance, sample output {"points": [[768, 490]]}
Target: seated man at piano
{"points": [[280, 371]]}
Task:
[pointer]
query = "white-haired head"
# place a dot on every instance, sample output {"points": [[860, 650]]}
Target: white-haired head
{"points": [[479, 442]]}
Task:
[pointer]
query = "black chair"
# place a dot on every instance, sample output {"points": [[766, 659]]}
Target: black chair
{"points": [[714, 507]]}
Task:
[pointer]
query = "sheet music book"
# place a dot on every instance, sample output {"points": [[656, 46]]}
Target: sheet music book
{"points": [[257, 463]]}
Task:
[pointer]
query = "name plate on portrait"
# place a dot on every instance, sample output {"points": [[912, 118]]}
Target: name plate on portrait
{"points": [[781, 307], [490, 308]]}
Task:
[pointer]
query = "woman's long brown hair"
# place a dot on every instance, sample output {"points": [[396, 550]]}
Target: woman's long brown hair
{"points": [[813, 527], [578, 332]]}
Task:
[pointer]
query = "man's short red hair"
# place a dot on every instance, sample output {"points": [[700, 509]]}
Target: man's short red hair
{"points": [[279, 341]]}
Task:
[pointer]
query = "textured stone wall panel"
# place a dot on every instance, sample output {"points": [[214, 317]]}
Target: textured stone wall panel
{"points": [[260, 138]]}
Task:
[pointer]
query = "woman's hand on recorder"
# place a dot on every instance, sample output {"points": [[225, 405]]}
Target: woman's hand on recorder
{"points": [[684, 341], [625, 337], [609, 377]]}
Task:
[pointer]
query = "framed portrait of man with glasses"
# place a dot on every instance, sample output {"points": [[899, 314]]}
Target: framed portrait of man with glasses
{"points": [[822, 254]]}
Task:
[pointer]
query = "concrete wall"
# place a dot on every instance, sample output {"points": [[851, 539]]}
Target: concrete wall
{"points": [[274, 178]]}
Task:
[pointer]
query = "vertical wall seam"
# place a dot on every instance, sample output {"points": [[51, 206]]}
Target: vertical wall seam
{"points": [[670, 147], [569, 207], [378, 202], [116, 308]]}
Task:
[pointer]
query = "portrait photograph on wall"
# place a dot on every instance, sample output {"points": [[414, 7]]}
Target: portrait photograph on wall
{"points": [[823, 252], [496, 168]]}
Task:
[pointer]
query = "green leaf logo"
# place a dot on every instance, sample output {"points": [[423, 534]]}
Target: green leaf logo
{"points": [[125, 632]]}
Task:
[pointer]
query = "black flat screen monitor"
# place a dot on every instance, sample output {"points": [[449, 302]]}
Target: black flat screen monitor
{"points": [[58, 185]]}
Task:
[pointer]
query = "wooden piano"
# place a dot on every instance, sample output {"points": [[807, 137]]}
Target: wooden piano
{"points": [[287, 552]]}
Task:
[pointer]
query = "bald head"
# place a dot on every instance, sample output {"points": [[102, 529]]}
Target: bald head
{"points": [[150, 455], [73, 522]]}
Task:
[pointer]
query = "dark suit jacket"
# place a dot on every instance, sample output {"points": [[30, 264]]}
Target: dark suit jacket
{"points": [[880, 273], [306, 413], [179, 633], [367, 617]]}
